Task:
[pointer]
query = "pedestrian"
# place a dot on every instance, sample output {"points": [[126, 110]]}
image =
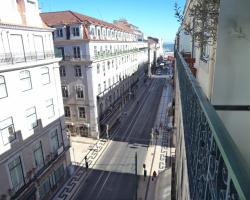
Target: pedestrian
{"points": [[145, 174], [87, 165], [154, 175]]}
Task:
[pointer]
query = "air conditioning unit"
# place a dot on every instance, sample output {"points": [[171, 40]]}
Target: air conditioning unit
{"points": [[60, 150]]}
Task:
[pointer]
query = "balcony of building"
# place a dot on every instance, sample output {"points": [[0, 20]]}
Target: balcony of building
{"points": [[215, 167], [29, 184], [15, 58]]}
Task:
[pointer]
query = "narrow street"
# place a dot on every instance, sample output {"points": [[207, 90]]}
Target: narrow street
{"points": [[113, 175]]}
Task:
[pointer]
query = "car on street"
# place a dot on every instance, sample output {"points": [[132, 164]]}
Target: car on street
{"points": [[158, 72]]}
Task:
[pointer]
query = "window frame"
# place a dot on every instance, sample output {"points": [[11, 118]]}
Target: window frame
{"points": [[3, 84], [36, 149], [81, 96], [24, 79], [76, 31], [10, 168], [7, 127], [69, 111], [50, 105], [78, 71], [82, 114], [44, 74], [77, 52], [62, 71], [29, 116], [65, 91], [59, 32]]}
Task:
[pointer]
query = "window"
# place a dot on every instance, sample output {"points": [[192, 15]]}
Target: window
{"points": [[16, 173], [54, 141], [81, 111], [65, 92], [76, 51], [99, 88], [92, 31], [25, 80], [109, 81], [50, 108], [31, 117], [45, 75], [59, 32], [79, 92], [3, 90], [95, 50], [104, 83], [103, 67], [38, 156], [7, 131], [78, 71], [66, 111], [108, 64], [59, 172], [98, 68], [62, 71], [75, 31]]}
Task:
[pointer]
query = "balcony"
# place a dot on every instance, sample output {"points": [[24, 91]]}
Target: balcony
{"points": [[13, 58], [33, 175], [215, 167]]}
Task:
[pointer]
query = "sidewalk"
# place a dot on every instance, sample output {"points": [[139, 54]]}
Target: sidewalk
{"points": [[81, 147], [158, 154]]}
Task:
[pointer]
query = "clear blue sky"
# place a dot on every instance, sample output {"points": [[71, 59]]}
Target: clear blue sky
{"points": [[153, 17]]}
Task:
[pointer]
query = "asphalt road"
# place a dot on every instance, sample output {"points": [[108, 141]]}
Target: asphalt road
{"points": [[113, 177]]}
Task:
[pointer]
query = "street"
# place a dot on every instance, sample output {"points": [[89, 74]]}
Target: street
{"points": [[113, 175]]}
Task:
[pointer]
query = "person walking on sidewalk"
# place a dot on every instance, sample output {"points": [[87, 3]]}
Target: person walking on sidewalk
{"points": [[154, 175]]}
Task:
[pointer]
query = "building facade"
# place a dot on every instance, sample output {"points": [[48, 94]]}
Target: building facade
{"points": [[100, 66], [212, 153], [34, 152]]}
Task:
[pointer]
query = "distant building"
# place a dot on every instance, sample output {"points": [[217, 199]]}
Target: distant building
{"points": [[33, 146], [100, 67]]}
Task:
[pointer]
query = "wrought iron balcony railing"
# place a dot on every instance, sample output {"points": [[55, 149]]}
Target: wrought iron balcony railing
{"points": [[13, 58], [216, 169], [34, 174]]}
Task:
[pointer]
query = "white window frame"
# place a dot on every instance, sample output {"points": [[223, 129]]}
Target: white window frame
{"points": [[81, 115], [3, 88], [78, 71], [79, 88], [7, 127], [30, 113], [62, 71], [50, 108], [59, 32], [76, 31], [68, 112], [45, 75], [77, 52], [25, 79], [65, 91]]}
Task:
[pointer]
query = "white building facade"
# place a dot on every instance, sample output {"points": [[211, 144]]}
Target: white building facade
{"points": [[33, 147], [99, 69]]}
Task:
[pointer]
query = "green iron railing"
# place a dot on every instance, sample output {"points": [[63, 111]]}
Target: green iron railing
{"points": [[216, 169]]}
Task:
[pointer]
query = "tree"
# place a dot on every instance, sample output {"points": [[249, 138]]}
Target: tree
{"points": [[204, 21]]}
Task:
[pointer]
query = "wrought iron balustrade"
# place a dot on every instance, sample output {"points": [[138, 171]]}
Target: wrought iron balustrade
{"points": [[216, 169], [12, 58], [33, 174]]}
